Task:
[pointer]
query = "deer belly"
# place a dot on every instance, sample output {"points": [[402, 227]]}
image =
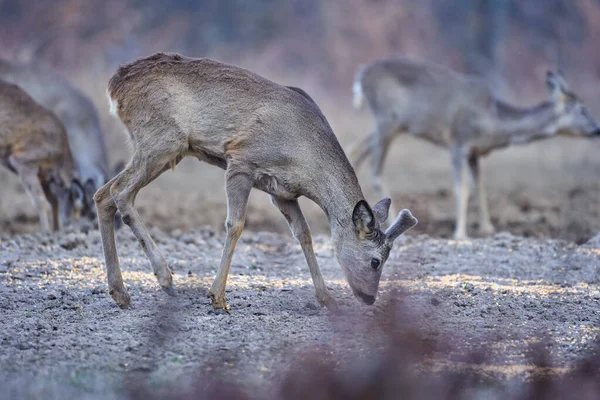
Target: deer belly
{"points": [[273, 186]]}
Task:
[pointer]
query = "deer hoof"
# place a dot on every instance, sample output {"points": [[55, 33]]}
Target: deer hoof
{"points": [[487, 230], [330, 303], [170, 290], [460, 236], [122, 298], [218, 302]]}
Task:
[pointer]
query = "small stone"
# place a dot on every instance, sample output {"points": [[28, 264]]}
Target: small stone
{"points": [[217, 312], [435, 301], [51, 296], [311, 306]]}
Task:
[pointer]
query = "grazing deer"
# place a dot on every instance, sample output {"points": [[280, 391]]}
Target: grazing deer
{"points": [[79, 117], [34, 145], [459, 113], [264, 135]]}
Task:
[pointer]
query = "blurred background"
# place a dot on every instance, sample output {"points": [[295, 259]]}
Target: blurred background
{"points": [[547, 189]]}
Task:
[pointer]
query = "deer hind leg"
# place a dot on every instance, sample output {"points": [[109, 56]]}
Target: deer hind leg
{"points": [[461, 194], [238, 186], [29, 178], [106, 208], [107, 211], [485, 222], [142, 170], [299, 227]]}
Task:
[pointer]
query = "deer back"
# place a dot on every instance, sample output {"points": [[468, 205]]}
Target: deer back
{"points": [[32, 133], [73, 108], [228, 116]]}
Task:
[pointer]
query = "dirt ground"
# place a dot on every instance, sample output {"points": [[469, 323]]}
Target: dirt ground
{"points": [[60, 330]]}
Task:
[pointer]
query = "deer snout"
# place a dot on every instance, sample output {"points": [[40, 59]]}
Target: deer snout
{"points": [[367, 299]]}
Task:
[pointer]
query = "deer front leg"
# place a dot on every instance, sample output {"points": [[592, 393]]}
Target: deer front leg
{"points": [[299, 227], [380, 144], [360, 151], [238, 188], [461, 193], [29, 178], [485, 222]]}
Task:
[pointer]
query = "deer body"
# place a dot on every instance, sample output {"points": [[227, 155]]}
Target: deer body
{"points": [[77, 114], [459, 113], [34, 145], [264, 135]]}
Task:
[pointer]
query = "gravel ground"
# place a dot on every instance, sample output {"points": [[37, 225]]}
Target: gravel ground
{"points": [[61, 332]]}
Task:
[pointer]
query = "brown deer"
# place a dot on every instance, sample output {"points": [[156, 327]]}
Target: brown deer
{"points": [[79, 117], [264, 135], [34, 145], [461, 114]]}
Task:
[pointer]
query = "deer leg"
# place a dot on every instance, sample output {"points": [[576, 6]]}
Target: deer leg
{"points": [[461, 194], [238, 188], [485, 222], [138, 173], [360, 151], [107, 210], [55, 214], [379, 147], [53, 201], [299, 227], [30, 180]]}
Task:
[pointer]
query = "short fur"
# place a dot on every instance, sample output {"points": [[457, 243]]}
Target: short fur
{"points": [[459, 113], [76, 112], [267, 136], [34, 145]]}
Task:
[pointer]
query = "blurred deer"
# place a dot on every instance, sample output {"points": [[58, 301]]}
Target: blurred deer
{"points": [[34, 145], [79, 117], [461, 114], [264, 135]]}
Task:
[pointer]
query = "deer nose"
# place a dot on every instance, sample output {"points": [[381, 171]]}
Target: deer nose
{"points": [[366, 298], [597, 132]]}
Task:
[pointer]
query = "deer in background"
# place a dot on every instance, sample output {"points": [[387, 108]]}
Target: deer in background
{"points": [[79, 117], [34, 145], [264, 135], [461, 114]]}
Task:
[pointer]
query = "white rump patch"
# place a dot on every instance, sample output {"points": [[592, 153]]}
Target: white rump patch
{"points": [[113, 105], [358, 93]]}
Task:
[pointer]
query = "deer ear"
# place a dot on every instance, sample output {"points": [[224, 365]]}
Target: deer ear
{"points": [[382, 209], [551, 81], [77, 192], [557, 85], [562, 81], [401, 224], [363, 218]]}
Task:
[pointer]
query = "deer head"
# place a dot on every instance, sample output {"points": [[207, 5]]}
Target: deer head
{"points": [[363, 248], [574, 118], [69, 198]]}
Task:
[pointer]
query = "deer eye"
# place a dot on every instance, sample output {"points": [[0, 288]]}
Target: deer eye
{"points": [[375, 263]]}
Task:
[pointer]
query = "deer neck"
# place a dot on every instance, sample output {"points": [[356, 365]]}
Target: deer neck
{"points": [[525, 125], [337, 192]]}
